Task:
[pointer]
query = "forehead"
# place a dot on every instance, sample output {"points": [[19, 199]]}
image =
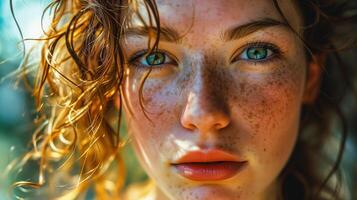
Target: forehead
{"points": [[209, 15]]}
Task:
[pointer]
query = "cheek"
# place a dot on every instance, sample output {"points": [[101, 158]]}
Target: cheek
{"points": [[155, 97], [267, 110], [267, 103], [152, 124]]}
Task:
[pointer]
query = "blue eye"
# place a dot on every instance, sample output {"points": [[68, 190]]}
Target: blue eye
{"points": [[161, 63], [258, 52], [155, 58], [158, 59]]}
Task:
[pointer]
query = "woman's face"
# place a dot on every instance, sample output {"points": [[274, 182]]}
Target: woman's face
{"points": [[223, 97]]}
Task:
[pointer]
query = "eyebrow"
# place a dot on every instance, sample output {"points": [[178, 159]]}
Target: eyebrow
{"points": [[166, 33], [171, 35], [251, 27]]}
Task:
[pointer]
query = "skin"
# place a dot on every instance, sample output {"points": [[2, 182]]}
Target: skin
{"points": [[205, 100]]}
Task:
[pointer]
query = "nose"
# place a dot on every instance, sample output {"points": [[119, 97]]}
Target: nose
{"points": [[205, 109]]}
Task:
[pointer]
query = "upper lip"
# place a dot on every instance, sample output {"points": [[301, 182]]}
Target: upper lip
{"points": [[212, 155]]}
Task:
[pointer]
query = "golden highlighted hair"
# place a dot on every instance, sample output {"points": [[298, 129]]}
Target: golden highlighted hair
{"points": [[78, 79]]}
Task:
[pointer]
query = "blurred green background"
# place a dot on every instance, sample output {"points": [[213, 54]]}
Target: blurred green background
{"points": [[15, 104], [17, 108]]}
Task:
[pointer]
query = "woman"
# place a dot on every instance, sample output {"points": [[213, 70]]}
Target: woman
{"points": [[223, 99]]}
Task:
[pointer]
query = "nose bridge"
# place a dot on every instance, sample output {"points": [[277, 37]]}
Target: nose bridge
{"points": [[206, 94], [201, 76], [206, 76], [205, 108]]}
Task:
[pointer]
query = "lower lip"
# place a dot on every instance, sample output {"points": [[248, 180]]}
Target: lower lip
{"points": [[210, 171]]}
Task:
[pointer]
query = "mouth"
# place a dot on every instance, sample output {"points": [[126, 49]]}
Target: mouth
{"points": [[211, 165]]}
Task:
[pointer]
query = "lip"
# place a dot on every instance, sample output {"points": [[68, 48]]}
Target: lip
{"points": [[210, 165]]}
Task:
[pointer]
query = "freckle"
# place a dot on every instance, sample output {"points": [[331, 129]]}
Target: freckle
{"points": [[250, 115], [256, 126], [264, 102], [242, 87]]}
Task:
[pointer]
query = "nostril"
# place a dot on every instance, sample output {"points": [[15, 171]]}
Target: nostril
{"points": [[222, 121], [218, 126], [190, 126]]}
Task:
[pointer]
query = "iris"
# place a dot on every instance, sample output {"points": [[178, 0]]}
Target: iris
{"points": [[257, 53], [156, 58]]}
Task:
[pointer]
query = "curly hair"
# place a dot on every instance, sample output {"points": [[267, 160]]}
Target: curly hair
{"points": [[79, 77]]}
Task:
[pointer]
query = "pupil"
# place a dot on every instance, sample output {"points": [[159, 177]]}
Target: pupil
{"points": [[257, 53]]}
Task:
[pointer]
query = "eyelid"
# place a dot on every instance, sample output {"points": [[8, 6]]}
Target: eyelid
{"points": [[139, 54], [274, 48]]}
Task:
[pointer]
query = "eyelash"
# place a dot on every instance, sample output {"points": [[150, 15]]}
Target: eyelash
{"points": [[135, 59], [276, 53]]}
